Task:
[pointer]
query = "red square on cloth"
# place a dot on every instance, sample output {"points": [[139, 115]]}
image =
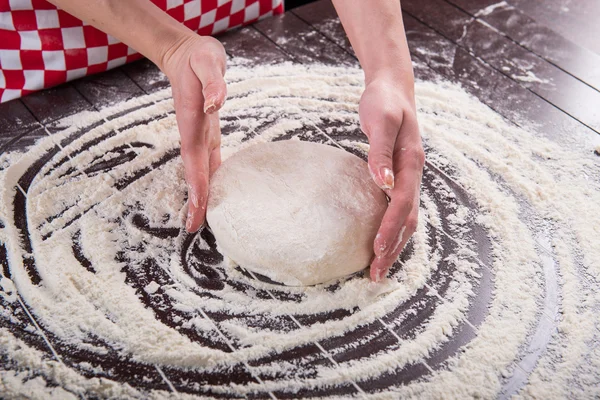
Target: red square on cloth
{"points": [[162, 4], [205, 31], [117, 51], [93, 69], [51, 39], [236, 19], [193, 23], [223, 11], [24, 20], [42, 5], [15, 79], [76, 58], [11, 40], [133, 57], [67, 20], [265, 8], [94, 37], [52, 78], [208, 5], [177, 13], [32, 59]]}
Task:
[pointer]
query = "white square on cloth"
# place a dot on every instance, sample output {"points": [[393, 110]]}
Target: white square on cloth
{"points": [[116, 62], [97, 55], [20, 5], [73, 38], [30, 40], [76, 73], [34, 79], [6, 21], [208, 18], [47, 19], [54, 60], [173, 3], [10, 94], [10, 59], [221, 25], [237, 5], [191, 10], [112, 39], [251, 12]]}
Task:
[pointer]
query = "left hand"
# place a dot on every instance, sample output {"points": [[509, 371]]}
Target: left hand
{"points": [[388, 117], [195, 67]]}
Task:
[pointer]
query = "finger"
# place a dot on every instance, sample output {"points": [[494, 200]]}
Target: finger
{"points": [[199, 165], [381, 127], [381, 265], [193, 127], [215, 160], [381, 165], [400, 219], [210, 70], [403, 197], [197, 181], [391, 232]]}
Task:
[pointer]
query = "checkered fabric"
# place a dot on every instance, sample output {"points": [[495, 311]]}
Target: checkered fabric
{"points": [[42, 46]]}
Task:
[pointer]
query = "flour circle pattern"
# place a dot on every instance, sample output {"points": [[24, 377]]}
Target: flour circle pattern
{"points": [[102, 284]]}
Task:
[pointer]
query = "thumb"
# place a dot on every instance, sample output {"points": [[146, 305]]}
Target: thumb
{"points": [[196, 175], [380, 159], [381, 123], [209, 67]]}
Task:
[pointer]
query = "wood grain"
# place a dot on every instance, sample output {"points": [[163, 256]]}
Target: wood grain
{"points": [[302, 42], [108, 88], [538, 75], [538, 38]]}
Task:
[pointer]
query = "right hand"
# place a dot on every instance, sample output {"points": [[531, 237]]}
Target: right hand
{"points": [[195, 67], [388, 117]]}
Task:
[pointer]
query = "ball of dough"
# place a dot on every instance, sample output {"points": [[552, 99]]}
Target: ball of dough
{"points": [[300, 213]]}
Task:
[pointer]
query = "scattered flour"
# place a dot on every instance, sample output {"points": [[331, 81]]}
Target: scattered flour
{"points": [[98, 258], [531, 77], [493, 7]]}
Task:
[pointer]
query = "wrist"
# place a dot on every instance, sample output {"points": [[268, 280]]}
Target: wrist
{"points": [[395, 78], [169, 49], [392, 60], [392, 63]]}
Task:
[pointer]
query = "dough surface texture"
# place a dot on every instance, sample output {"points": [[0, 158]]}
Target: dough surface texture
{"points": [[299, 213]]}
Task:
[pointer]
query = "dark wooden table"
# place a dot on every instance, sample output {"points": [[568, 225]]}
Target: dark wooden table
{"points": [[508, 56]]}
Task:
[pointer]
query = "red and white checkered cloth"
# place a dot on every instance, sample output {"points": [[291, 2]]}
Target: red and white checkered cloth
{"points": [[42, 46]]}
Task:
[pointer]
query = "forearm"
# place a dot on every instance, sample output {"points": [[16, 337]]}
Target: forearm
{"points": [[137, 23], [376, 32]]}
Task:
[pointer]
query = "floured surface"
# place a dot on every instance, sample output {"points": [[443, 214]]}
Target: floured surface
{"points": [[125, 304]]}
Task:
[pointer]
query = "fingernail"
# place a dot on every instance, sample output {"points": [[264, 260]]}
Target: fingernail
{"points": [[210, 105], [387, 177]]}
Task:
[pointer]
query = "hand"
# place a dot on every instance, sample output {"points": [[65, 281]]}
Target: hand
{"points": [[195, 67], [396, 158]]}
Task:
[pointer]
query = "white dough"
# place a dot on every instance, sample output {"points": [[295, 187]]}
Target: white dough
{"points": [[300, 213]]}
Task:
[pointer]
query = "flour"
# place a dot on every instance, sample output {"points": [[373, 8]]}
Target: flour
{"points": [[110, 277], [493, 7]]}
